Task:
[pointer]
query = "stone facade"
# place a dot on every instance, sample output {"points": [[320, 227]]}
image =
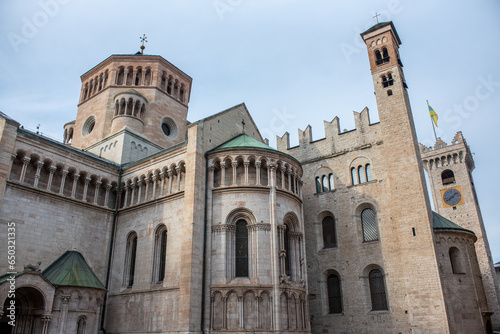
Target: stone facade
{"points": [[203, 228]]}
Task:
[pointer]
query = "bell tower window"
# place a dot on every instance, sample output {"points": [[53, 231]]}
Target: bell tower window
{"points": [[387, 80], [447, 177]]}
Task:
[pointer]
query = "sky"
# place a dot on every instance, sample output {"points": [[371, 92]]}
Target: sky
{"points": [[293, 63]]}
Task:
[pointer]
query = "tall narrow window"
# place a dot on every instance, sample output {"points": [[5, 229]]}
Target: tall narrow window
{"points": [[330, 182], [324, 181], [354, 176], [130, 260], [329, 237], [241, 248], [456, 261], [361, 174], [160, 254], [378, 57], [334, 294], [369, 222], [286, 240], [377, 290], [318, 185], [385, 55], [81, 325], [368, 169]]}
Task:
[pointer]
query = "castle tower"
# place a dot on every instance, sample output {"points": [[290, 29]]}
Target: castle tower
{"points": [[130, 107], [449, 168], [405, 208]]}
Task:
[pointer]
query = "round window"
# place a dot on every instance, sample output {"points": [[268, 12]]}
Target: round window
{"points": [[168, 127], [88, 126]]}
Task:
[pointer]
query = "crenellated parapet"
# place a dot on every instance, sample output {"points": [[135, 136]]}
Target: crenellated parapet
{"points": [[335, 142], [442, 154]]}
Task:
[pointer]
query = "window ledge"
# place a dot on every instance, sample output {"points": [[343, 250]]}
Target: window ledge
{"points": [[379, 312], [362, 184]]}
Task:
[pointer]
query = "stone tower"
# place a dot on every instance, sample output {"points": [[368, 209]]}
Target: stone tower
{"points": [[449, 168], [131, 106]]}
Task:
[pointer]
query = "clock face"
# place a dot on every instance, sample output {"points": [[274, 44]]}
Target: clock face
{"points": [[452, 197]]}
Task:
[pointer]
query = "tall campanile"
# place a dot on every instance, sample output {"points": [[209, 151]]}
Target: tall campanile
{"points": [[405, 207]]}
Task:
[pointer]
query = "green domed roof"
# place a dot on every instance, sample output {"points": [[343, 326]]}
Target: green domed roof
{"points": [[441, 224], [243, 141]]}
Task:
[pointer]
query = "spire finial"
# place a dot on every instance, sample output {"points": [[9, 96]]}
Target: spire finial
{"points": [[376, 16], [143, 39]]}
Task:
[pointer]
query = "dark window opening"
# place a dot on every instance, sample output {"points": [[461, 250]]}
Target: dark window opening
{"points": [[389, 92], [387, 81], [133, 251], [241, 248], [447, 177], [166, 129], [329, 237], [377, 290], [334, 294], [163, 254], [287, 251], [382, 58]]}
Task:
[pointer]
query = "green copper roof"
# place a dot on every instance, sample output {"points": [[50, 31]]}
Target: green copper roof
{"points": [[72, 269], [441, 224], [242, 141]]}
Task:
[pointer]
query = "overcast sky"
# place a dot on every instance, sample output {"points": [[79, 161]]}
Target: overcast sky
{"points": [[292, 62]]}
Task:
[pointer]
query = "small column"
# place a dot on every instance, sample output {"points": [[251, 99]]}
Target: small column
{"points": [[63, 180], [289, 172], [52, 170], [240, 311], [25, 161], [224, 312], [125, 76], [132, 193], [125, 202], [179, 176], [246, 164], [155, 180], [147, 190], [283, 170], [106, 197], [212, 312], [45, 321], [170, 175], [96, 192], [98, 314], [39, 165], [222, 173], [234, 165], [139, 190], [75, 179], [257, 169], [258, 302], [162, 176], [64, 314], [86, 188]]}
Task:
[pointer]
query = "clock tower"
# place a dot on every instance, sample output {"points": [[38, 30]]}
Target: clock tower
{"points": [[449, 168]]}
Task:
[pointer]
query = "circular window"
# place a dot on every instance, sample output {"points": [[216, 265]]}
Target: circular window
{"points": [[168, 127], [88, 126]]}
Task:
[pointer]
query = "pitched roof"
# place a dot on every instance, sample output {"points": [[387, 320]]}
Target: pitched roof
{"points": [[381, 25], [72, 269], [441, 224]]}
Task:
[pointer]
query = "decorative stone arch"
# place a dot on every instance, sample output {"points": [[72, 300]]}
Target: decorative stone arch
{"points": [[360, 170]]}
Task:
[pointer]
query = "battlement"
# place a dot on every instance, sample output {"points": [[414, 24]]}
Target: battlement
{"points": [[442, 154], [335, 141]]}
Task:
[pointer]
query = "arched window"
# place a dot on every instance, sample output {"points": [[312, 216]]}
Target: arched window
{"points": [[130, 260], [160, 254], [378, 57], [456, 261], [318, 185], [369, 223], [330, 182], [324, 183], [385, 55], [447, 177], [329, 237], [377, 290], [368, 170], [354, 176], [286, 240], [361, 174], [334, 294], [241, 248], [81, 325], [181, 94]]}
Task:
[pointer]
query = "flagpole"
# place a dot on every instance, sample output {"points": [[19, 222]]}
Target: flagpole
{"points": [[432, 121]]}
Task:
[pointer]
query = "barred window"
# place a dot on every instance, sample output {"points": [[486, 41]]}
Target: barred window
{"points": [[241, 248], [329, 237], [377, 290], [369, 223], [334, 294]]}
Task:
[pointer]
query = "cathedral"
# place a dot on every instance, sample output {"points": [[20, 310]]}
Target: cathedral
{"points": [[143, 222]]}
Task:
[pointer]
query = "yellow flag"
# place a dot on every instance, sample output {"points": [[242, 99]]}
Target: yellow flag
{"points": [[433, 114]]}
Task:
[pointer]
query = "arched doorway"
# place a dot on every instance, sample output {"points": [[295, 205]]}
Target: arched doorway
{"points": [[30, 306]]}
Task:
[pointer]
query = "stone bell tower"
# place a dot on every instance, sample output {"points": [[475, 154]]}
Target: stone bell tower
{"points": [[131, 106], [449, 168], [406, 218]]}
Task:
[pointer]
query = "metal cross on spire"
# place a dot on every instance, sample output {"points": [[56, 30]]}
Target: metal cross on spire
{"points": [[376, 16], [143, 39]]}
